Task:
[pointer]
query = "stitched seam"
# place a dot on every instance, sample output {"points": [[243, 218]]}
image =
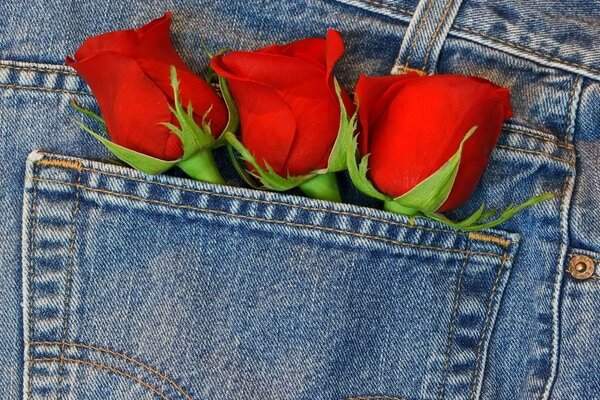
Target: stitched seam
{"points": [[502, 41], [539, 153], [447, 353], [37, 69], [68, 287], [102, 366], [116, 354], [436, 32], [556, 288], [527, 49], [289, 205], [569, 108], [275, 221], [280, 203], [41, 88], [391, 7], [415, 36], [269, 202], [31, 272], [484, 328], [557, 143], [377, 397]]}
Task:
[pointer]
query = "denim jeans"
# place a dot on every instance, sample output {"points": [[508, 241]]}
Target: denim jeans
{"points": [[117, 284]]}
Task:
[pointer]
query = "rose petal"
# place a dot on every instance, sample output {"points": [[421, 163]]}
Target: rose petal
{"points": [[131, 104], [192, 89]]}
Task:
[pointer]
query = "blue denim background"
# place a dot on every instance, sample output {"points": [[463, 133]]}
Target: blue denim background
{"points": [[159, 287]]}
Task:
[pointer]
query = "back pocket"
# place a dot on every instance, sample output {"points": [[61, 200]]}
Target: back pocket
{"points": [[141, 286]]}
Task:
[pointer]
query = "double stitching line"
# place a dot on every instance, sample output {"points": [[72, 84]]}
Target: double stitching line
{"points": [[101, 366], [74, 165], [37, 69], [448, 352], [274, 221], [484, 328], [116, 354], [415, 36], [376, 397], [31, 275], [493, 38], [435, 33], [68, 287]]}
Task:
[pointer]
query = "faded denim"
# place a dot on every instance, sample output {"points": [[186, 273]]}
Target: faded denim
{"points": [[121, 285]]}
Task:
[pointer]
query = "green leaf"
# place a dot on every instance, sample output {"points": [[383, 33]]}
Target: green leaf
{"points": [[432, 192], [193, 137], [337, 158], [233, 121], [358, 172], [268, 178], [505, 216], [142, 162]]}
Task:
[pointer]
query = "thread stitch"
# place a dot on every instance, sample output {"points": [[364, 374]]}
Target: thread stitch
{"points": [[102, 366], [294, 224], [415, 37], [68, 286], [116, 354], [572, 107], [527, 49], [37, 69], [484, 328], [378, 397], [60, 163], [564, 229], [31, 273], [43, 89], [448, 352], [276, 203], [435, 33], [561, 144], [539, 153], [489, 238], [501, 41]]}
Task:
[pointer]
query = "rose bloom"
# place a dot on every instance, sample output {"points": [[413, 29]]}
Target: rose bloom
{"points": [[289, 111], [129, 74], [412, 125]]}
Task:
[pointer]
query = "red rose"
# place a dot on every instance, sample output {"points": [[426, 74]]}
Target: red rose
{"points": [[413, 125], [289, 111], [129, 74]]}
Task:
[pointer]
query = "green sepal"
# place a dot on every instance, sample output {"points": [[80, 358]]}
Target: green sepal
{"points": [[337, 158], [358, 172], [242, 172], [431, 193], [475, 221], [193, 137], [268, 178], [140, 161], [233, 121]]}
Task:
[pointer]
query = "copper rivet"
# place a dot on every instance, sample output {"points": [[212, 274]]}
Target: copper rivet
{"points": [[581, 267]]}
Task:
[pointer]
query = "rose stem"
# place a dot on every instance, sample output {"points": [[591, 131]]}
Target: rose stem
{"points": [[323, 187], [202, 167]]}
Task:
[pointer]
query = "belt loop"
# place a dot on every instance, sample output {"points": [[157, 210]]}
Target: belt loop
{"points": [[425, 36]]}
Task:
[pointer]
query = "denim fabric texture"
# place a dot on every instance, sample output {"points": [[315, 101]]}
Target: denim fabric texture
{"points": [[117, 284]]}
